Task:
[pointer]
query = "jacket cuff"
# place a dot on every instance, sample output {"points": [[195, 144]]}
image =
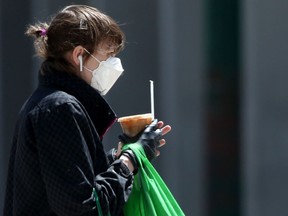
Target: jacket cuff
{"points": [[121, 168]]}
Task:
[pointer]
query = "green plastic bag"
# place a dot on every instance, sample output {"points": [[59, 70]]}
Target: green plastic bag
{"points": [[150, 195]]}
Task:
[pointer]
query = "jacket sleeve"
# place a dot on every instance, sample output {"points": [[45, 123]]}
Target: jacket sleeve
{"points": [[67, 166]]}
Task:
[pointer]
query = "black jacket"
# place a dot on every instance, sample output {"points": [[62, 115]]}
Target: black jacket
{"points": [[57, 156]]}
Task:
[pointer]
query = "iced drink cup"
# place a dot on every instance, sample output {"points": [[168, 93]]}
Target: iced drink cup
{"points": [[132, 125]]}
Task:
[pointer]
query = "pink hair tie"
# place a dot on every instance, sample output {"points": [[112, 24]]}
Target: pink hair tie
{"points": [[43, 32]]}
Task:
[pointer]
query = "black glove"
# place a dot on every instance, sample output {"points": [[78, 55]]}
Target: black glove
{"points": [[150, 140], [125, 139]]}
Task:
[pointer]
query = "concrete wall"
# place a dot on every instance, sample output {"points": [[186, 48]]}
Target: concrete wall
{"points": [[265, 105]]}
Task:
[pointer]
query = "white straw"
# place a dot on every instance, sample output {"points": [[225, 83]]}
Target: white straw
{"points": [[152, 98]]}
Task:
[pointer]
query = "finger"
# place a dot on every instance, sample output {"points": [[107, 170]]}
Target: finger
{"points": [[157, 153], [160, 124], [166, 129], [119, 149], [161, 143]]}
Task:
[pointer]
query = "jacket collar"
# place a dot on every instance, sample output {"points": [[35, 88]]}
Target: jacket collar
{"points": [[101, 114]]}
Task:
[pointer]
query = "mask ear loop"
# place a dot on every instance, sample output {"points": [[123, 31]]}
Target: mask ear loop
{"points": [[80, 58], [92, 55]]}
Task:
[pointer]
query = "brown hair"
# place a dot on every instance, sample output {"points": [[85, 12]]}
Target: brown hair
{"points": [[74, 25]]}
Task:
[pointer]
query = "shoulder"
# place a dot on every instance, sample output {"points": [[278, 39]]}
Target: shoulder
{"points": [[56, 99], [53, 101]]}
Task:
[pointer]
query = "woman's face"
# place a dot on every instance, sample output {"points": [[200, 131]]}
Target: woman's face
{"points": [[102, 53]]}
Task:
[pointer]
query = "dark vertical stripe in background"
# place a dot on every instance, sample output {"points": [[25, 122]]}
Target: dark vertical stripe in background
{"points": [[15, 74], [222, 107]]}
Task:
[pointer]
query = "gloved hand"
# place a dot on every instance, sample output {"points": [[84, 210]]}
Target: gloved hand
{"points": [[150, 140], [125, 139]]}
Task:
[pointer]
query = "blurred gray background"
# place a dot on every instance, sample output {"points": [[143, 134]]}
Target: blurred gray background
{"points": [[220, 75]]}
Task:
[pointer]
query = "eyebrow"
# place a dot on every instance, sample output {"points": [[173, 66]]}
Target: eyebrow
{"points": [[109, 47]]}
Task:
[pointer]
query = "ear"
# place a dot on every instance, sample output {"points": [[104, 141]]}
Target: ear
{"points": [[77, 56]]}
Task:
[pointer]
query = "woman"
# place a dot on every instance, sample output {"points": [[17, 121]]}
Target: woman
{"points": [[58, 165]]}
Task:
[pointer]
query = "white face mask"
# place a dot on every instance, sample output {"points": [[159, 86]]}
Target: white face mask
{"points": [[106, 74]]}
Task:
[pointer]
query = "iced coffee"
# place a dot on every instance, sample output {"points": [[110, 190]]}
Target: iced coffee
{"points": [[132, 125]]}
